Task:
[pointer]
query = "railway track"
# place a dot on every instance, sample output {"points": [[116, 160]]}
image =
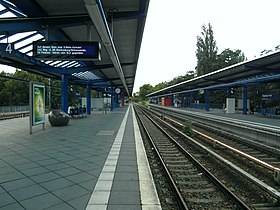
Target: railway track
{"points": [[12, 115], [260, 193], [242, 152], [195, 186]]}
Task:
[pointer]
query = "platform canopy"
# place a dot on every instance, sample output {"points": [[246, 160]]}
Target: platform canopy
{"points": [[263, 69], [117, 25]]}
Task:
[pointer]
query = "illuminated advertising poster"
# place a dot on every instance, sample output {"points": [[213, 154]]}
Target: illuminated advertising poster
{"points": [[38, 104]]}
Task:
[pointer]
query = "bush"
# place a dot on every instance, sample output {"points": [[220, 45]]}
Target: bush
{"points": [[187, 128]]}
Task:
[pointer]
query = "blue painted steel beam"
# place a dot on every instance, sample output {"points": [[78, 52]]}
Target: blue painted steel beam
{"points": [[22, 24], [244, 99], [64, 91], [32, 9], [3, 11], [29, 7], [4, 37], [88, 99], [206, 95], [11, 8], [119, 16]]}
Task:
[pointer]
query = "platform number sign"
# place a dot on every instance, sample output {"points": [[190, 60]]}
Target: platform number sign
{"points": [[7, 50]]}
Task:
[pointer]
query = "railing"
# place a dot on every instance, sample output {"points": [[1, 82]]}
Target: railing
{"points": [[5, 109]]}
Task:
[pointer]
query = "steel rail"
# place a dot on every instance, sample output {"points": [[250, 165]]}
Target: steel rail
{"points": [[173, 183]]}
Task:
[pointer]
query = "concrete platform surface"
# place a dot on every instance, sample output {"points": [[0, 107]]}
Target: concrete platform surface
{"points": [[93, 163]]}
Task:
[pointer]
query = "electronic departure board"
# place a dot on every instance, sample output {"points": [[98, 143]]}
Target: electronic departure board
{"points": [[63, 50]]}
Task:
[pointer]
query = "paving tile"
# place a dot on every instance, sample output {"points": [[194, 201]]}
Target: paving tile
{"points": [[83, 155], [6, 199], [28, 192], [2, 163], [44, 177], [2, 190], [80, 202], [47, 162], [27, 166], [126, 176], [34, 171], [87, 166], [97, 207], [61, 206], [76, 162], [14, 206], [71, 192], [99, 197], [56, 166], [124, 168], [19, 161], [41, 202], [124, 207], [7, 169], [68, 171], [65, 158], [127, 162], [39, 157], [17, 184], [80, 177], [125, 185], [57, 184], [89, 185], [11, 176], [125, 198]]}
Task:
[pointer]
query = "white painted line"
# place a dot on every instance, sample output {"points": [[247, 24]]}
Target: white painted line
{"points": [[101, 193], [148, 193]]}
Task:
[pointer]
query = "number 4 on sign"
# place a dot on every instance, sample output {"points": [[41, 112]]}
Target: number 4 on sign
{"points": [[9, 48]]}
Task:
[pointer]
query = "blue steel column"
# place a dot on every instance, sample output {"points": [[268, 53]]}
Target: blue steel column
{"points": [[191, 100], [88, 99], [112, 99], [117, 100], [64, 97], [245, 100], [206, 92]]}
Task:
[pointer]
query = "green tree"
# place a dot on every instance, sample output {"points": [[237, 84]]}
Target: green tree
{"points": [[229, 57], [206, 52], [145, 90], [160, 86]]}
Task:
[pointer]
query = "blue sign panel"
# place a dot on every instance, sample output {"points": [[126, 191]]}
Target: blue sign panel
{"points": [[61, 50], [7, 50]]}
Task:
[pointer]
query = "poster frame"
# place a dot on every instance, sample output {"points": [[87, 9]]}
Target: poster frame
{"points": [[37, 114]]}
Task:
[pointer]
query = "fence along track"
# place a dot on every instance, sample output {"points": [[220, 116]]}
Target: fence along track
{"points": [[198, 187]]}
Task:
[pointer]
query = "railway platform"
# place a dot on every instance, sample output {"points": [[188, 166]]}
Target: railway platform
{"points": [[96, 162], [254, 127], [255, 118]]}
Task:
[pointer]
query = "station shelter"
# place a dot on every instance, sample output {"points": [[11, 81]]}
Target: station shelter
{"points": [[237, 87], [88, 43]]}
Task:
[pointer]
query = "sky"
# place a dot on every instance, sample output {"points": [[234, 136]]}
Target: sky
{"points": [[171, 30]]}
